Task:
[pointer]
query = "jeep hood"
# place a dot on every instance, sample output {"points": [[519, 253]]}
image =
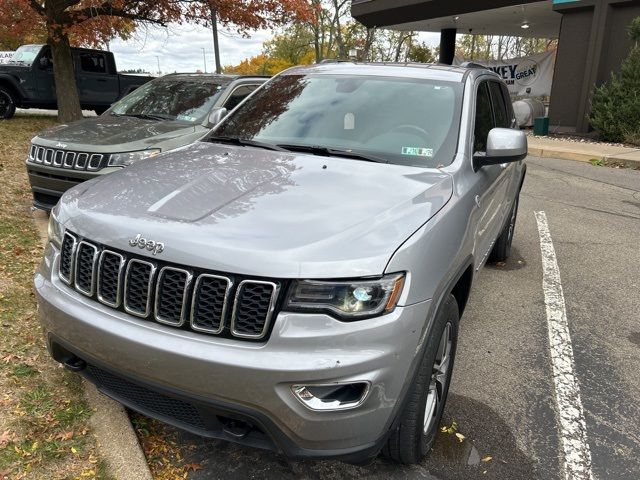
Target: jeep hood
{"points": [[257, 212], [114, 132]]}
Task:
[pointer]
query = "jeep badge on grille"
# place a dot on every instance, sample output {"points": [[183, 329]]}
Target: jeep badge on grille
{"points": [[151, 245]]}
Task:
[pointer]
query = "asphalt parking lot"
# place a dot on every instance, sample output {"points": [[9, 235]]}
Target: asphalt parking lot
{"points": [[503, 397]]}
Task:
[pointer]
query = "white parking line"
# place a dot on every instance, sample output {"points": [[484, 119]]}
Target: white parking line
{"points": [[573, 429]]}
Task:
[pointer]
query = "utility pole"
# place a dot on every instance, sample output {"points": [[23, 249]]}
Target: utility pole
{"points": [[204, 59], [214, 28], [158, 59]]}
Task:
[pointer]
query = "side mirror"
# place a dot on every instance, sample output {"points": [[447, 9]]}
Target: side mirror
{"points": [[504, 145], [215, 117], [44, 63]]}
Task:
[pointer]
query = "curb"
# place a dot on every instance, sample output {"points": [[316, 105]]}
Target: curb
{"points": [[618, 159], [117, 442]]}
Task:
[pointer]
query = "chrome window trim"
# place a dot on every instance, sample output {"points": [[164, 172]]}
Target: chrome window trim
{"points": [[68, 281], [88, 293], [119, 281], [272, 306], [149, 287], [225, 303], [90, 166], [86, 161], [185, 296], [67, 164]]}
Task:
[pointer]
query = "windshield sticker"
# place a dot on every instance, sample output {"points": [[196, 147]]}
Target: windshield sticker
{"points": [[417, 151], [349, 121]]}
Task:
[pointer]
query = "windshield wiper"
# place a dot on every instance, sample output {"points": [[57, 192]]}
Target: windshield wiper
{"points": [[333, 152], [145, 116], [245, 143]]}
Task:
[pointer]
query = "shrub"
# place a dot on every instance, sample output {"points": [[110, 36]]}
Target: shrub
{"points": [[615, 109]]}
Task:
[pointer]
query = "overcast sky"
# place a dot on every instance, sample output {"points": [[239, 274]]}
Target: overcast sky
{"points": [[179, 48]]}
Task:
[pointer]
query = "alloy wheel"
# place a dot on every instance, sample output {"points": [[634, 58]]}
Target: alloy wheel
{"points": [[439, 379]]}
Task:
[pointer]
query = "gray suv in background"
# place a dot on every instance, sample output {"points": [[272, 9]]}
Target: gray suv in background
{"points": [[295, 280], [164, 114]]}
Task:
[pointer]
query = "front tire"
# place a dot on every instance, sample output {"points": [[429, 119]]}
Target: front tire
{"points": [[7, 103], [418, 426]]}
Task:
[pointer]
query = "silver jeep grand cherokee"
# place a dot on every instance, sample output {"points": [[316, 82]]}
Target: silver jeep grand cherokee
{"points": [[295, 280]]}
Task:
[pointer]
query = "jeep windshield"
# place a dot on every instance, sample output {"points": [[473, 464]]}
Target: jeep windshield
{"points": [[406, 121], [186, 100], [25, 55]]}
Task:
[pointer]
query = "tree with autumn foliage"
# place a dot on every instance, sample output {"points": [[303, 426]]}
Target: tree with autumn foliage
{"points": [[246, 15], [89, 22]]}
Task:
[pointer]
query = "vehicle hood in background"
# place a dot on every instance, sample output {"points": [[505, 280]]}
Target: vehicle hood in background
{"points": [[113, 132], [258, 212]]}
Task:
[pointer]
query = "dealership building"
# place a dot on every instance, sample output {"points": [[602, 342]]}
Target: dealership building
{"points": [[592, 38]]}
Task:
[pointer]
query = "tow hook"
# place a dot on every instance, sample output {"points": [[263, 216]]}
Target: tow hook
{"points": [[75, 364], [236, 428]]}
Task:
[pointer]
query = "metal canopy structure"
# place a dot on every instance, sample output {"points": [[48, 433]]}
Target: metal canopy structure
{"points": [[537, 20], [484, 17]]}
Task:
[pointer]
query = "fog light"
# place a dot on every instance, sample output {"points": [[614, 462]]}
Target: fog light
{"points": [[332, 397]]}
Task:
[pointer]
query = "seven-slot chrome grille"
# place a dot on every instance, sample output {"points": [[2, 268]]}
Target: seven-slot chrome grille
{"points": [[68, 159], [217, 304]]}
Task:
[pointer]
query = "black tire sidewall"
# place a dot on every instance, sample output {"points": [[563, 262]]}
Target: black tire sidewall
{"points": [[502, 248], [448, 314], [12, 107]]}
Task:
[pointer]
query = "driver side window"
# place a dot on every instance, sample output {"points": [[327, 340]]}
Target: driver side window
{"points": [[484, 119], [46, 59]]}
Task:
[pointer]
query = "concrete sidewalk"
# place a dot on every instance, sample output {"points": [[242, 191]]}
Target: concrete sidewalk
{"points": [[584, 152]]}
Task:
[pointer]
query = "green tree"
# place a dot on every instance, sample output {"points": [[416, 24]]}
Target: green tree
{"points": [[499, 47], [421, 53], [615, 111]]}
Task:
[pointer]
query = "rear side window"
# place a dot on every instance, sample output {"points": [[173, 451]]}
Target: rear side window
{"points": [[484, 119], [499, 105], [238, 95], [93, 62]]}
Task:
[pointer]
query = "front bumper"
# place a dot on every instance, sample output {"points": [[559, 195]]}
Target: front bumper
{"points": [[48, 183], [218, 379]]}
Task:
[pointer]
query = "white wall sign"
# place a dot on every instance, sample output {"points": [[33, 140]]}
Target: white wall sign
{"points": [[5, 56], [527, 76]]}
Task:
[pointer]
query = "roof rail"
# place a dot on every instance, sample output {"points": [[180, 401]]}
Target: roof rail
{"points": [[334, 60], [472, 65]]}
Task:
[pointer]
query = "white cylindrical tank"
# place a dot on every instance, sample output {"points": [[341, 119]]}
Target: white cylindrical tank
{"points": [[527, 110]]}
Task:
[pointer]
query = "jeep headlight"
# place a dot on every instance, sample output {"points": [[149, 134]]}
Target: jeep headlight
{"points": [[349, 300], [127, 158], [55, 231]]}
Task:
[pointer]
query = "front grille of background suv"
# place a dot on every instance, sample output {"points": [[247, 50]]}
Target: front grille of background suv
{"points": [[67, 159], [209, 302]]}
